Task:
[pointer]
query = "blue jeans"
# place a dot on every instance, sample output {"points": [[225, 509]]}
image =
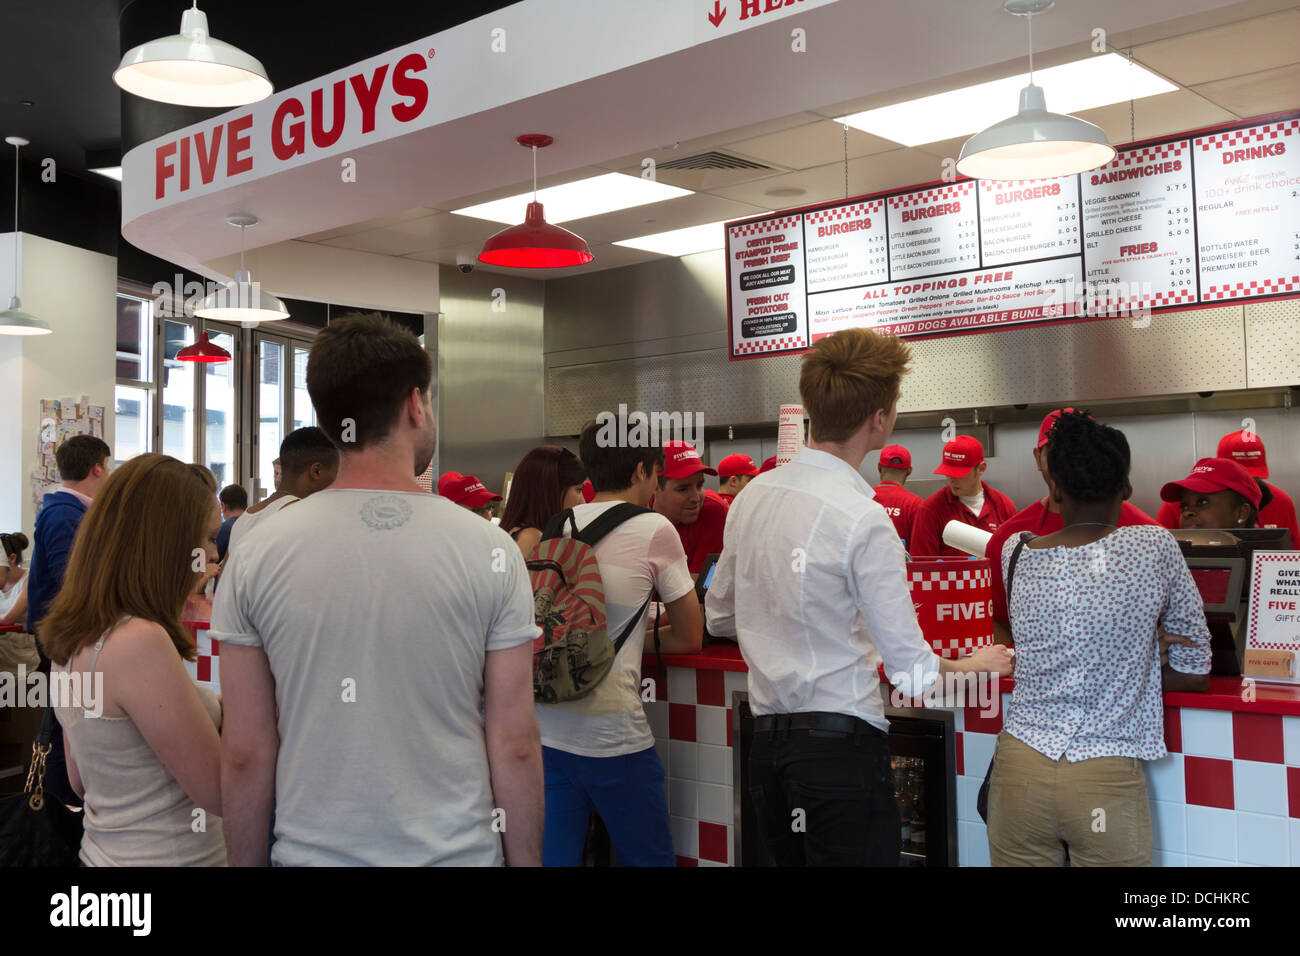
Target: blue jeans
{"points": [[628, 794]]}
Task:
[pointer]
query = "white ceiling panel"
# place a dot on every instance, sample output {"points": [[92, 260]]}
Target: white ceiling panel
{"points": [[814, 144], [1270, 91], [869, 174], [1252, 46]]}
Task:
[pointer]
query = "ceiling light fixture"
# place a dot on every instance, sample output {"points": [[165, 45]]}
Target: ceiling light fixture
{"points": [[13, 320], [193, 68], [682, 242], [1034, 144], [112, 172], [242, 300], [593, 196], [203, 351], [535, 244]]}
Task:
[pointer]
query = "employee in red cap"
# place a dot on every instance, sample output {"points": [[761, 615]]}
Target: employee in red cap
{"points": [[468, 492], [768, 465], [734, 473], [1219, 493], [699, 519], [1041, 517], [968, 498], [1246, 449], [900, 504]]}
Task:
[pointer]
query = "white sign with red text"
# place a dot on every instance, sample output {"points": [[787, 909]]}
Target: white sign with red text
{"points": [[1273, 619], [933, 231], [846, 246], [1248, 211], [981, 299], [768, 298], [1139, 237], [1028, 219]]}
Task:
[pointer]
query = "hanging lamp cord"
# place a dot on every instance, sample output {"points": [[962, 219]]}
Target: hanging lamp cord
{"points": [[1030, 19], [534, 174], [15, 293]]}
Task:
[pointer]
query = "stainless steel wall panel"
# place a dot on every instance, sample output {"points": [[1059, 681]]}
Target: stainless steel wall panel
{"points": [[1273, 343], [491, 404]]}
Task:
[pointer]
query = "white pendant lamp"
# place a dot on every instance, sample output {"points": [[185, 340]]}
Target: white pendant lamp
{"points": [[13, 320], [243, 300], [193, 69], [1034, 144]]}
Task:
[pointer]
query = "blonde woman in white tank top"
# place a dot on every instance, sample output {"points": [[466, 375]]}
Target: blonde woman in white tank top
{"points": [[145, 753]]}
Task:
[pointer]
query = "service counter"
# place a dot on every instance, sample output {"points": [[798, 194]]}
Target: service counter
{"points": [[1227, 794]]}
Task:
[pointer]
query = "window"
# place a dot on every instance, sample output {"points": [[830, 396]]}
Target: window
{"points": [[178, 381], [219, 421], [133, 395], [304, 413]]}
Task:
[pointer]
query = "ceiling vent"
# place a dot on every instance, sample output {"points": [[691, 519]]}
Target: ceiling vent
{"points": [[710, 170]]}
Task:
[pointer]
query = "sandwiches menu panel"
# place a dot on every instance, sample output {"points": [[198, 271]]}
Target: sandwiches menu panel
{"points": [[1202, 219]]}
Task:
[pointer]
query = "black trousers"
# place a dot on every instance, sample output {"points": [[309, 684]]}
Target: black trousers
{"points": [[826, 798]]}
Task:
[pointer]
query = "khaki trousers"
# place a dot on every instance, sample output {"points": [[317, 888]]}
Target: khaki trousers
{"points": [[1038, 807]]}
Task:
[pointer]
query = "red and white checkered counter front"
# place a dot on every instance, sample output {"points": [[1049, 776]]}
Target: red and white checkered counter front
{"points": [[1227, 794]]}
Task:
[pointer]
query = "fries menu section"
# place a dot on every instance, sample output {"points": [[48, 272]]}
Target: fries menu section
{"points": [[1202, 219]]}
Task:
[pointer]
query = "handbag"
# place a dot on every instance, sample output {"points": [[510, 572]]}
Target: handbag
{"points": [[34, 830], [982, 799]]}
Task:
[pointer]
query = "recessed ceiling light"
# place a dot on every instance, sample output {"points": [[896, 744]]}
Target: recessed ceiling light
{"points": [[1070, 88], [682, 242], [112, 172], [586, 197]]}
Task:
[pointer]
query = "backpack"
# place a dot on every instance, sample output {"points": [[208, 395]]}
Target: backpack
{"points": [[574, 652]]}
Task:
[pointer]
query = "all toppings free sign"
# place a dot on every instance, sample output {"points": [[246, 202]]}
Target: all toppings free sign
{"points": [[1199, 220]]}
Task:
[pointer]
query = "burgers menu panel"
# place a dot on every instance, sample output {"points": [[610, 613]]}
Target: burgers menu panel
{"points": [[932, 231], [1137, 230], [1199, 219], [1247, 198]]}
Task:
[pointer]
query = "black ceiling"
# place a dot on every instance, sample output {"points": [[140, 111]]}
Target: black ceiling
{"points": [[60, 56]]}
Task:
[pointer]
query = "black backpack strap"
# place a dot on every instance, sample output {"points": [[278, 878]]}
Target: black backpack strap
{"points": [[608, 521], [1025, 538], [555, 527]]}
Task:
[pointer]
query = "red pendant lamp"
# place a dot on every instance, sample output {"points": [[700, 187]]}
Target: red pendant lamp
{"points": [[203, 351], [535, 244]]}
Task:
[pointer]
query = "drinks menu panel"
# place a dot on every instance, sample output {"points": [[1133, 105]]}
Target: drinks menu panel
{"points": [[1206, 218]]}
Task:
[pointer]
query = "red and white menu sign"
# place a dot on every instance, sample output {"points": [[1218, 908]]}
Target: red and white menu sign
{"points": [[846, 246], [1248, 211], [768, 296], [1202, 219], [1028, 219], [933, 231], [1273, 619], [984, 298], [1139, 239]]}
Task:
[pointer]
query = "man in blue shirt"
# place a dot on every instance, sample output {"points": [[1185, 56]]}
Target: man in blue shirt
{"points": [[234, 501], [84, 463]]}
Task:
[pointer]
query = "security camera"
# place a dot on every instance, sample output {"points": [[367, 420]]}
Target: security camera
{"points": [[466, 264]]}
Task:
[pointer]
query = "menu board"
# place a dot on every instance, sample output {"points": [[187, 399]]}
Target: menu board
{"points": [[1203, 219]]}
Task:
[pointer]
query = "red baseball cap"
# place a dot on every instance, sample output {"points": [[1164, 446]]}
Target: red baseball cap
{"points": [[1246, 449], [465, 490], [959, 456], [588, 492], [1215, 474], [767, 465], [1045, 429], [681, 460], [734, 465], [892, 455]]}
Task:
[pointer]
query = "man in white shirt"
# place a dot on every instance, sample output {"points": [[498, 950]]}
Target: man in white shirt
{"points": [[598, 749], [812, 582], [388, 711]]}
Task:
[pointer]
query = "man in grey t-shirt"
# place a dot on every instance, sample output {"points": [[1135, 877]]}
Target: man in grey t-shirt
{"points": [[389, 711]]}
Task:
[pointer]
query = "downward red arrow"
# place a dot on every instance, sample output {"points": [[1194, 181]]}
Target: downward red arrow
{"points": [[719, 12]]}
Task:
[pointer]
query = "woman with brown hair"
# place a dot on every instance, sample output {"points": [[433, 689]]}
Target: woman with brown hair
{"points": [[13, 579], [141, 736], [547, 481]]}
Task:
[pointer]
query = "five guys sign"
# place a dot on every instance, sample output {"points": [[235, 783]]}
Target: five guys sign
{"points": [[320, 117]]}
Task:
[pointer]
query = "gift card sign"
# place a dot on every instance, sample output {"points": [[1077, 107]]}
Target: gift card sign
{"points": [[1273, 623]]}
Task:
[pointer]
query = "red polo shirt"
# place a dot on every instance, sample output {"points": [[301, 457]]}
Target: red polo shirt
{"points": [[1279, 513], [703, 537], [901, 506], [1037, 519], [720, 496], [943, 506]]}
